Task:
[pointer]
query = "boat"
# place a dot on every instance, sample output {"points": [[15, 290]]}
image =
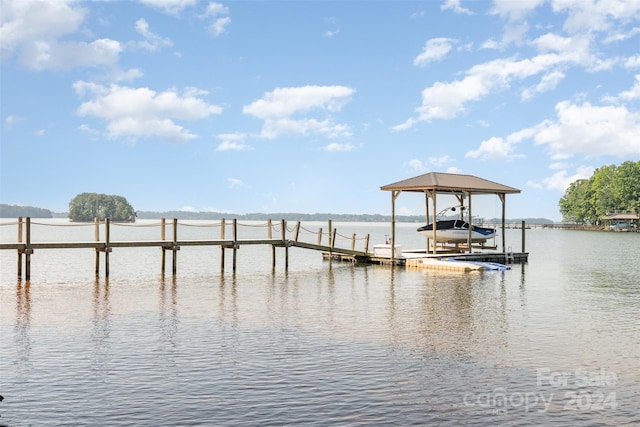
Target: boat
{"points": [[457, 230]]}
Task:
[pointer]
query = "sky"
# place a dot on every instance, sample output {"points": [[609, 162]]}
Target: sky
{"points": [[312, 106]]}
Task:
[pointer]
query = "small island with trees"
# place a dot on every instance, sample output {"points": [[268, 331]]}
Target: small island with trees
{"points": [[86, 207]]}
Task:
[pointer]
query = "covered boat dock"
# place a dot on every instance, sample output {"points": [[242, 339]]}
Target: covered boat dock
{"points": [[463, 187]]}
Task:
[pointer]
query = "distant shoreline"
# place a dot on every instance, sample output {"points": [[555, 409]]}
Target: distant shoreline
{"points": [[14, 211]]}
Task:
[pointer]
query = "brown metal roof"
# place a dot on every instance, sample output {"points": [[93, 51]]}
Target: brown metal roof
{"points": [[631, 216], [450, 182]]}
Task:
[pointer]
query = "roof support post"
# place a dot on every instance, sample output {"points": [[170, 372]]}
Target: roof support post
{"points": [[432, 194], [426, 218], [502, 197], [469, 218], [394, 196]]}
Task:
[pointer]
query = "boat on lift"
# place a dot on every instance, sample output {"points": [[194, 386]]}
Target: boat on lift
{"points": [[457, 230]]}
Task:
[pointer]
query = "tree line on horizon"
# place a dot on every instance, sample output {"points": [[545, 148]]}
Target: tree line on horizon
{"points": [[85, 210], [16, 211], [610, 189]]}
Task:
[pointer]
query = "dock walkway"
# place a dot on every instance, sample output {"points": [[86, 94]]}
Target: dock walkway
{"points": [[25, 246]]}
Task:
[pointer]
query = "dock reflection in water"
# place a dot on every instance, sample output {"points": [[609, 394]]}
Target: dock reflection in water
{"points": [[551, 342]]}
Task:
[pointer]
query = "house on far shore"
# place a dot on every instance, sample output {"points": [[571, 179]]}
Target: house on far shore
{"points": [[622, 221]]}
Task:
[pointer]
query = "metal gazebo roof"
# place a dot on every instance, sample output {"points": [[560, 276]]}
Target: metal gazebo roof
{"points": [[449, 182]]}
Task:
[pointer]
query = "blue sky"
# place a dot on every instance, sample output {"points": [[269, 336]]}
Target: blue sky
{"points": [[312, 106]]}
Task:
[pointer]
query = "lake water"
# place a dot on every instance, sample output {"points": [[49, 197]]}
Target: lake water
{"points": [[552, 342]]}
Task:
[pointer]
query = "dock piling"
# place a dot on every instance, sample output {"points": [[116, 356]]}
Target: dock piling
{"points": [[19, 251], [222, 234], [174, 247], [27, 252], [163, 237], [96, 236], [235, 242]]}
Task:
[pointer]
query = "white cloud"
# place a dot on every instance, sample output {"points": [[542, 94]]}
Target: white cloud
{"points": [[43, 55], [447, 100], [276, 108], [331, 33], [34, 31], [334, 146], [496, 148], [233, 142], [235, 183], [548, 82], [10, 120], [621, 36], [591, 131], [454, 5], [585, 20], [440, 161], [492, 148], [558, 165], [561, 180], [126, 76], [434, 50], [417, 165], [592, 15], [170, 6], [633, 93], [216, 9], [220, 19], [232, 146], [26, 22], [632, 62], [515, 10], [152, 41], [490, 44], [134, 112], [219, 25]]}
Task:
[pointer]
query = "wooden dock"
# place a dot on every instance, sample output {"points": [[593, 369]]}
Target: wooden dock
{"points": [[278, 236], [25, 245]]}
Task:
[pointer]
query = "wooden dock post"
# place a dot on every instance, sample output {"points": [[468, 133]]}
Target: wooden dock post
{"points": [[19, 251], [27, 252], [96, 237], [235, 242], [273, 247], [222, 233], [284, 242], [523, 227], [330, 242], [107, 249], [353, 242], [163, 237], [366, 244], [297, 231], [174, 247], [319, 236]]}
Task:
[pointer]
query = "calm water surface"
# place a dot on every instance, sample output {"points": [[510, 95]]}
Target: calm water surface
{"points": [[552, 342]]}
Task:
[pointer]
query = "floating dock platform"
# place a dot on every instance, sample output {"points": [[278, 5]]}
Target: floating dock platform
{"points": [[474, 261]]}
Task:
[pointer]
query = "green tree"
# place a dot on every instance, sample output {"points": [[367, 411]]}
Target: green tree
{"points": [[626, 186], [610, 188], [88, 206], [575, 205]]}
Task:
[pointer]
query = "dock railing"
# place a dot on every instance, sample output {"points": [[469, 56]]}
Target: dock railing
{"points": [[278, 235]]}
